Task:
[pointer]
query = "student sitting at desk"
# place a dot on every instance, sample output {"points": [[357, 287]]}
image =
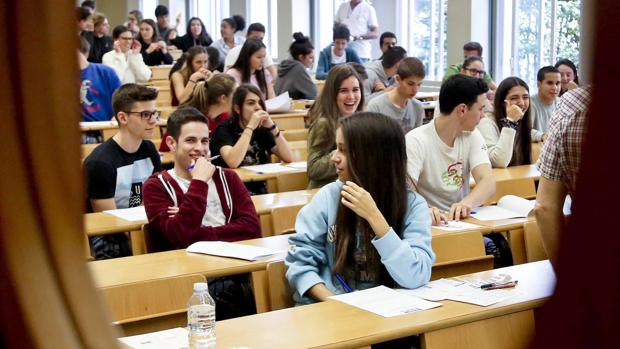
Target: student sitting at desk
{"points": [[193, 69], [249, 136], [154, 49], [116, 169], [341, 96], [442, 154], [293, 76], [126, 58], [369, 227], [337, 52], [507, 132], [205, 202], [249, 68], [399, 103]]}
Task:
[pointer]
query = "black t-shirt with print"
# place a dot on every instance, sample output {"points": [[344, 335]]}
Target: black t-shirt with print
{"points": [[229, 132]]}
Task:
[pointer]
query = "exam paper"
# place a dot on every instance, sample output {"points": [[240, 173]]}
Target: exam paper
{"points": [[98, 123], [233, 250], [174, 338], [279, 104], [466, 291], [299, 165], [269, 168], [132, 214], [456, 225], [385, 301]]}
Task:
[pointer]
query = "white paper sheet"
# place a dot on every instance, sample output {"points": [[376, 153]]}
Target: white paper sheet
{"points": [[269, 168], [491, 213], [508, 206], [174, 338], [279, 104], [133, 214], [464, 290], [233, 250], [457, 225], [97, 123], [385, 301], [299, 165]]}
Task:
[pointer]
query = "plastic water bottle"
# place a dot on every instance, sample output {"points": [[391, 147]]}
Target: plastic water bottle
{"points": [[201, 318]]}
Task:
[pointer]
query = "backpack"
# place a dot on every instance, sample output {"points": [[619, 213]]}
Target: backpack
{"points": [[233, 296], [496, 244]]}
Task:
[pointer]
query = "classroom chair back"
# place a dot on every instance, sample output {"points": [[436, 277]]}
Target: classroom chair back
{"points": [[534, 248], [458, 254], [283, 219], [151, 305]]}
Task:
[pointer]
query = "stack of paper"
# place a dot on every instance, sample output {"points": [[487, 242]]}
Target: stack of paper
{"points": [[462, 291], [385, 301], [175, 338], [233, 250], [279, 104], [133, 214], [98, 123], [299, 165]]}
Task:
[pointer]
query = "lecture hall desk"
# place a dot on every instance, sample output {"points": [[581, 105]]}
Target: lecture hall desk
{"points": [[332, 324]]}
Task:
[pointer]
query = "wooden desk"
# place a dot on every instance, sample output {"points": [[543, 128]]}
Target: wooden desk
{"points": [[516, 172], [252, 176], [162, 265], [334, 324]]}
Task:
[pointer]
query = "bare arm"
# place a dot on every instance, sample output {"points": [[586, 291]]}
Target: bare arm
{"points": [[233, 156], [373, 33], [320, 292], [282, 149], [484, 189], [549, 215], [99, 205], [182, 91]]}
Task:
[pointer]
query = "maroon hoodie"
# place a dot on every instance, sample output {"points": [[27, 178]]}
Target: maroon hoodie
{"points": [[185, 227]]}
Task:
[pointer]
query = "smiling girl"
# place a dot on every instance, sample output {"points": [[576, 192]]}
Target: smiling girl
{"points": [[341, 96]]}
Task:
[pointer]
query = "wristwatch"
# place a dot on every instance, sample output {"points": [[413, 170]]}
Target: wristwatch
{"points": [[506, 122], [273, 127]]}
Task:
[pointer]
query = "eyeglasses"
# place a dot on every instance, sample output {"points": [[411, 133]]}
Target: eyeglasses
{"points": [[126, 38], [146, 114], [475, 71]]}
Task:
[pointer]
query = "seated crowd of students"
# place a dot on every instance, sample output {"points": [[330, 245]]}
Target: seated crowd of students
{"points": [[385, 176]]}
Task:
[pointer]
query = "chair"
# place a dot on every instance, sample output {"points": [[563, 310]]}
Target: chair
{"points": [[534, 248], [283, 219], [523, 187], [459, 254], [291, 181], [280, 292], [151, 305]]}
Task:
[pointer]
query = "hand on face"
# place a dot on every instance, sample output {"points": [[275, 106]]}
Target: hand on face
{"points": [[358, 200], [203, 169], [514, 112], [136, 47], [258, 118]]}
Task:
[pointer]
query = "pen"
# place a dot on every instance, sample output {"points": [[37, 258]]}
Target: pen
{"points": [[191, 167], [344, 283], [499, 286]]}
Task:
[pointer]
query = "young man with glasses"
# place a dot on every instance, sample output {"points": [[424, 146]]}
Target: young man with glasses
{"points": [[470, 49], [116, 169], [196, 201], [126, 59]]}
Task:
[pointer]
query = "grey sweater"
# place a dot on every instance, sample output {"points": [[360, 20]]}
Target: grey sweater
{"points": [[293, 77]]}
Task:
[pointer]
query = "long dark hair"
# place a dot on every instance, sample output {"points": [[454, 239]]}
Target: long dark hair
{"points": [[204, 39], [244, 64], [325, 105], [377, 161], [523, 137], [239, 97], [155, 37]]}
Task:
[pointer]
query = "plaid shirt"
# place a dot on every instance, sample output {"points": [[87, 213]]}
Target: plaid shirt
{"points": [[561, 153]]}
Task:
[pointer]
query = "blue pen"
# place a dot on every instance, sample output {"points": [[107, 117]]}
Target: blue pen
{"points": [[191, 167], [344, 283]]}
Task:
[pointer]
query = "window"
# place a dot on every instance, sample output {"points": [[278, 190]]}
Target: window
{"points": [[266, 12], [211, 12], [324, 11], [148, 8], [422, 30], [543, 31]]}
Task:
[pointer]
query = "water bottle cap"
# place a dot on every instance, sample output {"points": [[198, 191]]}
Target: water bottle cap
{"points": [[200, 286]]}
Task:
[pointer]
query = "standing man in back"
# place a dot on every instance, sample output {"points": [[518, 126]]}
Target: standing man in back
{"points": [[361, 19], [116, 169]]}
